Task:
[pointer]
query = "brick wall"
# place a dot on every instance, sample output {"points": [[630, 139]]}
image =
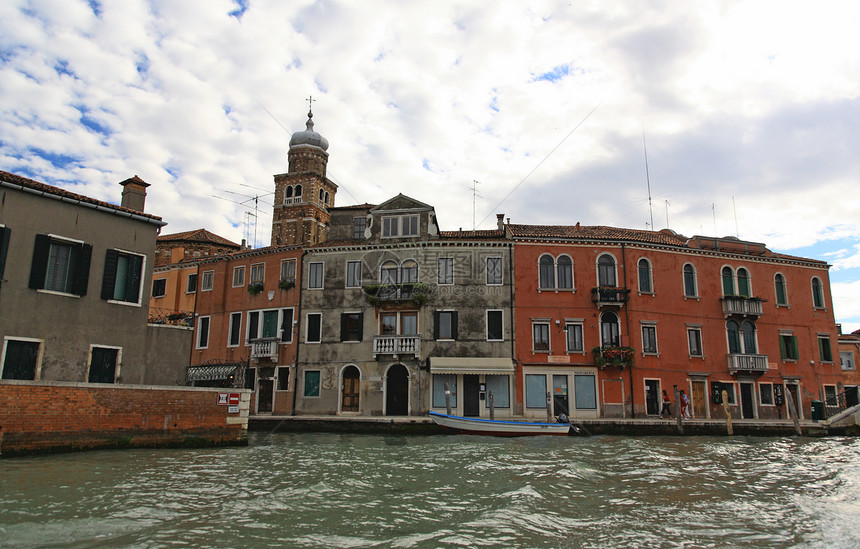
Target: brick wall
{"points": [[38, 417]]}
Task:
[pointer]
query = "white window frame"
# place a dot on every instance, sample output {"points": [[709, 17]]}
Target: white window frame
{"points": [[165, 287], [649, 325], [542, 322], [234, 315], [698, 330], [440, 271], [307, 327], [288, 265], [852, 364], [772, 395], [316, 265], [208, 281], [501, 280], [117, 370], [136, 303], [37, 374], [238, 276], [199, 337], [501, 314], [189, 289], [357, 282], [574, 323], [257, 268]]}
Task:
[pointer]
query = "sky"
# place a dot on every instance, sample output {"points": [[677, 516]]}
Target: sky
{"points": [[711, 118]]}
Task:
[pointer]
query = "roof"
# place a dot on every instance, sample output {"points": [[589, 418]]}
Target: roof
{"points": [[596, 232], [200, 235], [365, 206], [62, 194], [472, 235]]}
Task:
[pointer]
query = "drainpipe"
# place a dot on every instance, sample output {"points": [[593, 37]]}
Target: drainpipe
{"points": [[300, 269], [627, 323]]}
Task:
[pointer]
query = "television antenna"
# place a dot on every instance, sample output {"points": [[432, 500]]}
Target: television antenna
{"points": [[475, 195], [249, 198]]}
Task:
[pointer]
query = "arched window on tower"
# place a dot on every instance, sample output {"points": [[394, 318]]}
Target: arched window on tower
{"points": [[288, 193], [298, 191], [326, 199]]}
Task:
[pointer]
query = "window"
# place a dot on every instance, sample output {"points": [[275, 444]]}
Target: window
{"points": [[824, 351], [494, 271], [409, 271], [313, 331], [353, 274], [351, 326], [546, 272], [765, 394], [122, 277], [288, 270], [729, 388], [445, 270], [728, 278], [690, 287], [315, 275], [494, 326], [5, 233], [287, 325], [573, 337], [694, 341], [645, 285], [847, 359], [540, 337], [779, 287], [536, 391], [649, 339], [191, 283], [208, 280], [610, 330], [59, 265], [159, 287], [104, 362], [817, 293], [744, 283], [312, 383], [788, 345], [234, 336], [439, 382], [748, 337], [359, 224], [585, 392], [203, 332], [564, 267], [398, 323], [238, 276], [499, 386], [446, 325], [262, 324], [388, 273], [830, 395], [742, 337], [283, 378], [606, 271], [258, 273], [21, 359], [406, 225]]}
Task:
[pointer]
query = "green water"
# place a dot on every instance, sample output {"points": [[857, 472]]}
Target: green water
{"points": [[331, 490]]}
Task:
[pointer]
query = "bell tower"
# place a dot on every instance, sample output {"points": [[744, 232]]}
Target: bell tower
{"points": [[304, 194]]}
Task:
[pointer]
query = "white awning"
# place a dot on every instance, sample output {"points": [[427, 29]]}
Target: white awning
{"points": [[471, 365]]}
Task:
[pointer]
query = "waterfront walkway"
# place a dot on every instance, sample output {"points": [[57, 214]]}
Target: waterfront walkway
{"points": [[603, 426]]}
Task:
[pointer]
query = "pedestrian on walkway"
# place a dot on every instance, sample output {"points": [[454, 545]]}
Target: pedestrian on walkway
{"points": [[685, 405], [667, 406]]}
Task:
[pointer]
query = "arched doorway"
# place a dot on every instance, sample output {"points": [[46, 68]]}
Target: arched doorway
{"points": [[397, 391], [350, 393]]}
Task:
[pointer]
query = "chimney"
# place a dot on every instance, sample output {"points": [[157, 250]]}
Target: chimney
{"points": [[500, 221], [134, 193]]}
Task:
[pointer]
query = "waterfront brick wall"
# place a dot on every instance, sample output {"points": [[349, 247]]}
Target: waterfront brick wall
{"points": [[39, 417]]}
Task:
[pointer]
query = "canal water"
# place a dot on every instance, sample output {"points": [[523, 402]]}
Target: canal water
{"points": [[339, 490]]}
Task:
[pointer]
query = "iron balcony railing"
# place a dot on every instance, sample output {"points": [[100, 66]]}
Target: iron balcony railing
{"points": [[754, 364], [844, 400], [382, 294], [608, 295], [397, 345], [264, 347], [741, 305]]}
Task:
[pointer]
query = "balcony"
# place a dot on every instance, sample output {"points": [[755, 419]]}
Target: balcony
{"points": [[747, 364], [397, 345], [385, 294], [609, 296], [741, 306], [264, 348]]}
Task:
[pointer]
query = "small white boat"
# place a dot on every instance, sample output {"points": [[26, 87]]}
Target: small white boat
{"points": [[500, 428]]}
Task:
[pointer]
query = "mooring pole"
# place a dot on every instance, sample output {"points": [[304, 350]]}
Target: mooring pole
{"points": [[678, 411], [548, 407], [728, 415], [447, 400], [492, 406], [793, 413]]}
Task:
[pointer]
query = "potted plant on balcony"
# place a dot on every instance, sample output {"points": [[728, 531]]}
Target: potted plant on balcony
{"points": [[255, 287], [286, 283], [613, 356]]}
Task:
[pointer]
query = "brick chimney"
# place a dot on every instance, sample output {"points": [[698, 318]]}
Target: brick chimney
{"points": [[134, 193], [500, 221]]}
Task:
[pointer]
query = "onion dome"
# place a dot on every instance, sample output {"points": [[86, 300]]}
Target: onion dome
{"points": [[309, 136]]}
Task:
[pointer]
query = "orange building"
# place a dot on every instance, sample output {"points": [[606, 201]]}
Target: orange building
{"points": [[607, 319]]}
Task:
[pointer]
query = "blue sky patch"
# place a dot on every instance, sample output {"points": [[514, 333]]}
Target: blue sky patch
{"points": [[96, 6], [556, 74], [62, 161], [425, 163], [62, 68], [142, 64], [240, 11]]}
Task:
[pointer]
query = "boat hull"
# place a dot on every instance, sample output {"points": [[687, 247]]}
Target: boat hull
{"points": [[479, 426]]}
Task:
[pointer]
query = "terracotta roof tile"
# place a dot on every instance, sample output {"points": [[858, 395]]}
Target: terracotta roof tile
{"points": [[595, 232], [199, 235]]}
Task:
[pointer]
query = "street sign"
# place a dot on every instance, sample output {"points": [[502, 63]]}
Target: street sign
{"points": [[222, 399]]}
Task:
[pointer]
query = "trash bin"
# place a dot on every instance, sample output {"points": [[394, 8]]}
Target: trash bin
{"points": [[817, 410]]}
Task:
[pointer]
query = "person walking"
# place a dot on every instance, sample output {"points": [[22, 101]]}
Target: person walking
{"points": [[685, 405], [667, 406]]}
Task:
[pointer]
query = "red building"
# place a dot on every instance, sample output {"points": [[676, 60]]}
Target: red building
{"points": [[607, 319]]}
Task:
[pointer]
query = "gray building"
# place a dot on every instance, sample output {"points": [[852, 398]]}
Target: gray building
{"points": [[393, 310], [75, 274]]}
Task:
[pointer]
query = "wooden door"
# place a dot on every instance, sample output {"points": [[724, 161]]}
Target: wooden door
{"points": [[397, 391], [699, 406], [351, 382], [471, 396], [747, 401], [265, 393]]}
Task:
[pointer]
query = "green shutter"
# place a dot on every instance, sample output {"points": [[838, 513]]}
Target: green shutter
{"points": [[81, 276], [782, 348], [4, 246], [343, 326], [109, 278], [39, 267]]}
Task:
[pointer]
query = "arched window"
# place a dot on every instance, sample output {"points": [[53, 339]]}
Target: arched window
{"points": [[645, 285], [609, 330], [565, 273], [326, 199], [779, 286], [748, 337], [734, 334], [289, 191], [690, 287], [298, 191], [409, 271], [547, 272], [606, 271], [321, 195], [817, 293], [744, 283], [728, 281], [388, 274]]}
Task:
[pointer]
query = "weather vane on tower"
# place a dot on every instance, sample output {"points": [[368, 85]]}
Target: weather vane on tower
{"points": [[310, 106]]}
